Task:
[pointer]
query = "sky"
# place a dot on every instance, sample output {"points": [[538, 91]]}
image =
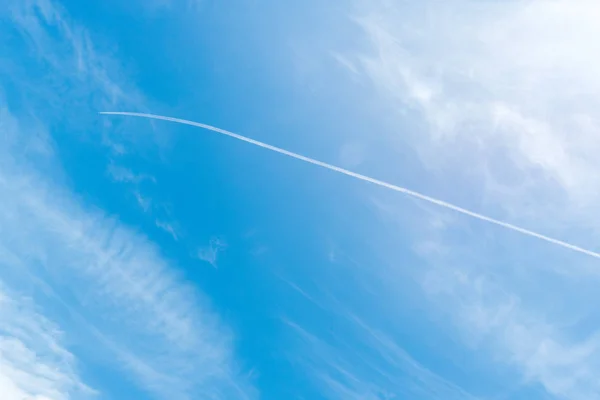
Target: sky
{"points": [[143, 259]]}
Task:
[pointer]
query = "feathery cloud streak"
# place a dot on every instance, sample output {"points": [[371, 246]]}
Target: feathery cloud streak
{"points": [[104, 284], [160, 329], [34, 364]]}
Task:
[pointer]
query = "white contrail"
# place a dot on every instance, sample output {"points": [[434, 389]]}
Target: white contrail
{"points": [[365, 178]]}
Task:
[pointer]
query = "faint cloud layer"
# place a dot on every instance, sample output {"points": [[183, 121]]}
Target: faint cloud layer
{"points": [[122, 174], [68, 51], [34, 364], [128, 292], [156, 329], [376, 369], [507, 92], [210, 253], [511, 80]]}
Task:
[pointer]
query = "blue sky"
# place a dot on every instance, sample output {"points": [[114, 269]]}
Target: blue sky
{"points": [[145, 259]]}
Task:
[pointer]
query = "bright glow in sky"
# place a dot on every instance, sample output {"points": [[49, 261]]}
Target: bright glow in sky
{"points": [[145, 259]]}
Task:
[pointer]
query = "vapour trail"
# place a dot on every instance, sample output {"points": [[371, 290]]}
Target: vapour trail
{"points": [[365, 178]]}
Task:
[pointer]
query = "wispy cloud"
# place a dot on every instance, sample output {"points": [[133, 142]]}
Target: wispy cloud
{"points": [[345, 62], [515, 304], [210, 253], [122, 174], [359, 362], [504, 84], [502, 97], [144, 202], [167, 227], [127, 292], [150, 325], [76, 58], [34, 364], [65, 74], [496, 303]]}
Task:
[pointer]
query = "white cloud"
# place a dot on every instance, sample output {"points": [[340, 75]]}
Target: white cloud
{"points": [[68, 50], [210, 253], [167, 227], [514, 303], [144, 202], [34, 364], [489, 314], [360, 362], [346, 63], [131, 304], [66, 77], [126, 291], [513, 81], [501, 99], [122, 174]]}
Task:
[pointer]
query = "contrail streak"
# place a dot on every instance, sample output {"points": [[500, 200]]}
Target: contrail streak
{"points": [[365, 178]]}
